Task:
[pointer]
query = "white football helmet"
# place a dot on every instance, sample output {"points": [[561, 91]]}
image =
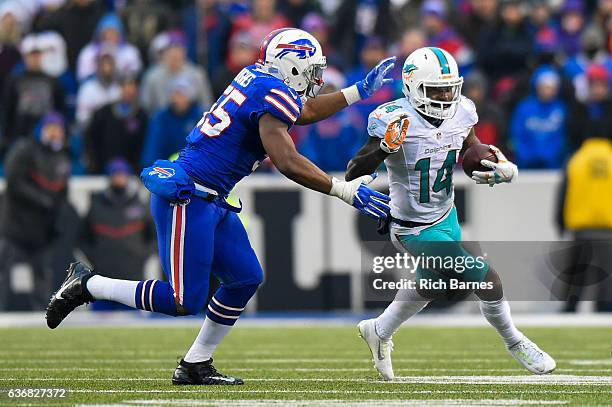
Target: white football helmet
{"points": [[432, 83], [295, 57]]}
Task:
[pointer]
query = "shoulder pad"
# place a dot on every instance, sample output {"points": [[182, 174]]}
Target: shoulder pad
{"points": [[385, 113], [467, 111]]}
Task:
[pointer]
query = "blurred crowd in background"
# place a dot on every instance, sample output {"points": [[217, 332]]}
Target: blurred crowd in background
{"points": [[129, 79], [108, 86]]}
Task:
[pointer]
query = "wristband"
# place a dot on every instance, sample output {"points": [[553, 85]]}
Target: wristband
{"points": [[351, 94], [341, 189], [384, 147]]}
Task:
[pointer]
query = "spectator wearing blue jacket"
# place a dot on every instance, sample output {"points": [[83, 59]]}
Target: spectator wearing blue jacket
{"points": [[170, 126], [539, 124], [373, 51], [331, 143]]}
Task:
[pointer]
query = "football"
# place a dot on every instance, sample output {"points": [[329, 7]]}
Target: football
{"points": [[473, 156]]}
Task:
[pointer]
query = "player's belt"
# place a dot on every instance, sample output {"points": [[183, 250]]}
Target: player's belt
{"points": [[211, 195], [411, 224], [205, 193]]}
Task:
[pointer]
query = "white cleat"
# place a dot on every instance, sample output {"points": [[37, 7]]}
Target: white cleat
{"points": [[531, 357], [381, 349]]}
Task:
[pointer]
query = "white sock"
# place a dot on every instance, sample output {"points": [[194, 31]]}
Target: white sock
{"points": [[211, 334], [406, 304], [104, 288], [498, 315]]}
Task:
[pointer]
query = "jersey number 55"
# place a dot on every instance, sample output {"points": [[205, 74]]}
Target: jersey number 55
{"points": [[221, 112]]}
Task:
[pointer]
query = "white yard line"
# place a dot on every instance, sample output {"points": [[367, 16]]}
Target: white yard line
{"points": [[556, 380], [83, 318], [278, 354], [590, 362], [289, 369], [319, 391], [275, 361], [315, 403]]}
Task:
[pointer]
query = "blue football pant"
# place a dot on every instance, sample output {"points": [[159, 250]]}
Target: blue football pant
{"points": [[195, 240]]}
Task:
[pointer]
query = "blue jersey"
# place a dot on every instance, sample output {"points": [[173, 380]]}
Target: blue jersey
{"points": [[225, 146]]}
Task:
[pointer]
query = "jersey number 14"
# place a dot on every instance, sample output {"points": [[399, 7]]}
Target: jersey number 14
{"points": [[444, 176]]}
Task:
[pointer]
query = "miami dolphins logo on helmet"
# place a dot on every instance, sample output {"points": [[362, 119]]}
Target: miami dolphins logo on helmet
{"points": [[302, 47], [409, 70]]}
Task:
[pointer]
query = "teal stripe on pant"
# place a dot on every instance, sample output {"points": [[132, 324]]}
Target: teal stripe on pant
{"points": [[443, 240]]}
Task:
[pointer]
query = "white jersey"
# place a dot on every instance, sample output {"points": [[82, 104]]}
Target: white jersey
{"points": [[421, 172]]}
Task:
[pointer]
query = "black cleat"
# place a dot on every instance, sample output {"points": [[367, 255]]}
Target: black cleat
{"points": [[201, 373], [71, 294]]}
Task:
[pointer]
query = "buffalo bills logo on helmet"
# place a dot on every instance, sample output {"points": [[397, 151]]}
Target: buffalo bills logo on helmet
{"points": [[162, 172], [302, 47]]}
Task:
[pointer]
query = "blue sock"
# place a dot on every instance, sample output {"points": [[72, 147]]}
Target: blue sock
{"points": [[155, 296], [227, 304]]}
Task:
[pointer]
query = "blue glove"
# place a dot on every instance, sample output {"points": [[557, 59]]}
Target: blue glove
{"points": [[375, 79], [356, 193], [371, 203]]}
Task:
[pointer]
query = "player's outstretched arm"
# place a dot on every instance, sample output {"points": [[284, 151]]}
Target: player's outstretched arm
{"points": [[281, 150], [321, 107], [373, 153], [296, 167]]}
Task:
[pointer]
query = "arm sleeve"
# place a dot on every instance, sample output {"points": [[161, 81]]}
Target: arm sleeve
{"points": [[281, 103]]}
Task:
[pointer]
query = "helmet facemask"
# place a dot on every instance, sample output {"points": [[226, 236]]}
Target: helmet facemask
{"points": [[314, 79], [439, 100]]}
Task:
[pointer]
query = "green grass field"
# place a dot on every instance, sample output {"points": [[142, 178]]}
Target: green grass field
{"points": [[305, 366]]}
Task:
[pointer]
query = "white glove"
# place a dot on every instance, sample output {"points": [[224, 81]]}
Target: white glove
{"points": [[356, 193], [503, 170]]}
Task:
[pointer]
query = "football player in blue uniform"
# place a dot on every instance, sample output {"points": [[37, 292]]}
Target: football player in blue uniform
{"points": [[198, 232]]}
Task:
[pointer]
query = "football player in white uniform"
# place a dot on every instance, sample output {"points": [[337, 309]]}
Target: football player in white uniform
{"points": [[420, 138]]}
